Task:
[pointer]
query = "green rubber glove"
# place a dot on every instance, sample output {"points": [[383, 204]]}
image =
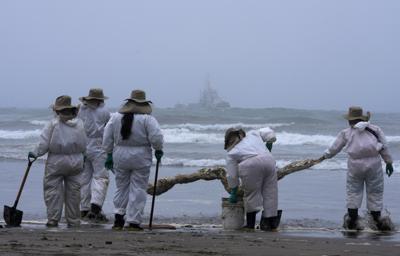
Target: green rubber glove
{"points": [[233, 196], [269, 146], [32, 155], [158, 154], [109, 164], [389, 169]]}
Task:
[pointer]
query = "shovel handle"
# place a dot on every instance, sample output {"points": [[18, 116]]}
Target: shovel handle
{"points": [[30, 162], [154, 195]]}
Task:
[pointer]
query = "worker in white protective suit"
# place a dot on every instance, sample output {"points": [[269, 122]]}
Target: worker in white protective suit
{"points": [[64, 140], [128, 139], [365, 145], [95, 177], [249, 159]]}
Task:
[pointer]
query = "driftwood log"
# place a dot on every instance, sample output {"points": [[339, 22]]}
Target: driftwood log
{"points": [[219, 173]]}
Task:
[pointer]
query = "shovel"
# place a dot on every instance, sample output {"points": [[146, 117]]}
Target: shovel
{"points": [[13, 216]]}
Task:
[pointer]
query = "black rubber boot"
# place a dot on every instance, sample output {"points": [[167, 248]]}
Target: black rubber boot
{"points": [[271, 223], [84, 213], [353, 215], [382, 224], [119, 222], [376, 215], [94, 208], [250, 220], [275, 221], [96, 215]]}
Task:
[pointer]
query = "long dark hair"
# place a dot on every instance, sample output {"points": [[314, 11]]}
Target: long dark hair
{"points": [[126, 125]]}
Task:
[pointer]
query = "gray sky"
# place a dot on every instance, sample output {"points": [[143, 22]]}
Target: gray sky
{"points": [[313, 54]]}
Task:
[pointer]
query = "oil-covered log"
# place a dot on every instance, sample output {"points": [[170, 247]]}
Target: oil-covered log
{"points": [[219, 173]]}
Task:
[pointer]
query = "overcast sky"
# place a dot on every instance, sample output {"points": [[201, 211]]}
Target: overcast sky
{"points": [[310, 54]]}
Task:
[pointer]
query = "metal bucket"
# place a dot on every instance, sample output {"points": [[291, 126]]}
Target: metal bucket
{"points": [[232, 214]]}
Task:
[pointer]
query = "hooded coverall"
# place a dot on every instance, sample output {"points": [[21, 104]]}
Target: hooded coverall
{"points": [[364, 163], [94, 178], [250, 161], [132, 161], [65, 143]]}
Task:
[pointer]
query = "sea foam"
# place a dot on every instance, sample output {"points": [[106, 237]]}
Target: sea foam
{"points": [[39, 122], [222, 127], [19, 134]]}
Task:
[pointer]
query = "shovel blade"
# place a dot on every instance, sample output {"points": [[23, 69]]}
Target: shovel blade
{"points": [[12, 216]]}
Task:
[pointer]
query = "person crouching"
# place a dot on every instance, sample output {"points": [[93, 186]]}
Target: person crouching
{"points": [[250, 160], [64, 140]]}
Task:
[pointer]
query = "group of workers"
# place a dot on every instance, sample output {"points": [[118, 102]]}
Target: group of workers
{"points": [[83, 141]]}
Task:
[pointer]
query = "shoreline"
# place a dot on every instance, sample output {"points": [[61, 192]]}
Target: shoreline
{"points": [[183, 241]]}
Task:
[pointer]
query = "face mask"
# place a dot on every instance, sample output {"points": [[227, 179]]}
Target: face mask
{"points": [[66, 117], [92, 104]]}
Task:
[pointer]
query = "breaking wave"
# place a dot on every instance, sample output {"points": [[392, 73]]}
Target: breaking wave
{"points": [[192, 162], [187, 133], [39, 122], [19, 134], [285, 138], [184, 135], [222, 127]]}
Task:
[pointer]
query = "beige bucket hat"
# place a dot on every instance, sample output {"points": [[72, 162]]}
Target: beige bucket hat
{"points": [[137, 104], [63, 102], [232, 138], [357, 113], [94, 94]]}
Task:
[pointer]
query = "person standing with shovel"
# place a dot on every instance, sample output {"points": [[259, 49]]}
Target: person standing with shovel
{"points": [[64, 140], [128, 140]]}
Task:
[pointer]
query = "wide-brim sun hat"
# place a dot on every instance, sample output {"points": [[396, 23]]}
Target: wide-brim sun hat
{"points": [[63, 102], [356, 113], [137, 104], [94, 94]]}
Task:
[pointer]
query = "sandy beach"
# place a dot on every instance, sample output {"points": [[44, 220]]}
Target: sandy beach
{"points": [[313, 200], [183, 241]]}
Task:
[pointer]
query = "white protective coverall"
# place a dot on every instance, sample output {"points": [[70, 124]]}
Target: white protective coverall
{"points": [[132, 161], [364, 163], [254, 164], [65, 144], [94, 178]]}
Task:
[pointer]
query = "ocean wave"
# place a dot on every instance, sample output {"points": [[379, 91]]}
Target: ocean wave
{"points": [[292, 139], [19, 134], [183, 162], [39, 122], [285, 138], [192, 133], [393, 139], [184, 135], [221, 127], [331, 164]]}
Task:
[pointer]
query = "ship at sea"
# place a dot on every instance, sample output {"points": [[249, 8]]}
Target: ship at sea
{"points": [[209, 100]]}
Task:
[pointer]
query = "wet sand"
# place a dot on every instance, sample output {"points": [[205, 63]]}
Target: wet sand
{"points": [[183, 241]]}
